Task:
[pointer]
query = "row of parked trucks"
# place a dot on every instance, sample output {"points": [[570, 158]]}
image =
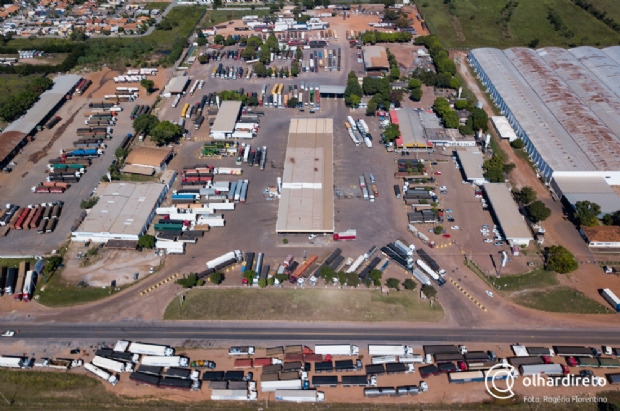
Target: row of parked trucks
{"points": [[43, 217], [19, 282], [358, 131]]}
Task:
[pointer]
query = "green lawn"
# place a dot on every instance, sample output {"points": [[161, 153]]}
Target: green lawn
{"points": [[14, 262], [160, 5], [215, 17], [59, 293], [560, 300], [315, 304], [612, 7], [476, 23], [534, 279]]}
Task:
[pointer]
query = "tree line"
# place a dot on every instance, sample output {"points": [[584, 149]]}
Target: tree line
{"points": [[14, 104]]}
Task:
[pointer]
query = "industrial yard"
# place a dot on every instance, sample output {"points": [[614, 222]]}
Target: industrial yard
{"points": [[249, 184]]}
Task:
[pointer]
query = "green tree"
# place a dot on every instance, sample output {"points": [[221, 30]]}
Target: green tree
{"points": [[272, 43], [202, 59], [391, 132], [120, 154], [415, 83], [146, 241], [586, 213], [201, 41], [145, 122], [393, 283], [526, 195], [409, 284], [517, 143], [90, 203], [147, 84], [353, 100], [538, 211], [249, 276], [608, 219], [327, 273], [254, 42], [560, 260], [353, 280], [52, 263], [429, 291], [451, 119], [248, 53], [416, 94], [190, 281], [438, 229], [371, 109], [218, 39], [165, 132], [262, 282], [394, 73], [264, 55], [216, 277], [461, 104], [375, 276], [292, 102], [78, 35], [480, 119]]}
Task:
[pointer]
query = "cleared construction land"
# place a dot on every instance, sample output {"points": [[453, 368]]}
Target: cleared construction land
{"points": [[311, 305]]}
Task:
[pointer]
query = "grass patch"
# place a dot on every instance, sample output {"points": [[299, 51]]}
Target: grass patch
{"points": [[14, 262], [138, 178], [185, 16], [477, 23], [316, 304], [535, 279], [159, 5], [561, 300], [60, 293], [522, 154], [215, 17]]}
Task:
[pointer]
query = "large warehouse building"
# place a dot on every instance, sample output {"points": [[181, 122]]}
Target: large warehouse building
{"points": [[123, 212], [14, 136], [227, 116], [307, 202], [564, 105]]}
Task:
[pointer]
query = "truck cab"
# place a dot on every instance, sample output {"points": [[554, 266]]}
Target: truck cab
{"points": [[462, 349]]}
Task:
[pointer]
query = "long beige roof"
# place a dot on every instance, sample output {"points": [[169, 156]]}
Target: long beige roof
{"points": [[307, 202], [148, 156], [506, 211]]}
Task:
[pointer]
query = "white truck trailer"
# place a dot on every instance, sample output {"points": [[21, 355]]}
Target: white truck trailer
{"points": [[271, 386], [112, 365], [356, 264], [164, 361], [300, 395], [102, 374], [234, 395], [233, 255], [337, 349], [150, 349], [12, 362], [428, 270], [388, 349], [545, 369], [421, 277]]}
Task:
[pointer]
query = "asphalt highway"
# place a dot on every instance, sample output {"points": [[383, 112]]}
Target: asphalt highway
{"points": [[299, 332]]}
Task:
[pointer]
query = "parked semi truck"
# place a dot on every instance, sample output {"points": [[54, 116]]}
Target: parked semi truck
{"points": [[234, 395], [299, 395], [101, 374], [113, 365], [271, 386], [575, 351], [387, 349], [546, 369], [150, 349], [165, 361], [236, 351], [337, 349], [8, 361], [440, 281]]}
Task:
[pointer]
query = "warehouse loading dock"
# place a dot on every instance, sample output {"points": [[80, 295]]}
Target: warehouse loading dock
{"points": [[307, 203]]}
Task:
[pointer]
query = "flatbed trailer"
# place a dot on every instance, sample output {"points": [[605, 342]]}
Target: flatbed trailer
{"points": [[440, 349], [573, 351]]}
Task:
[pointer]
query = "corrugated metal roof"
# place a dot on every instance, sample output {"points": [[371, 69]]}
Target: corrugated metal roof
{"points": [[505, 209], [471, 160], [176, 85], [503, 127], [226, 117], [47, 101], [307, 202], [592, 136], [123, 208], [411, 128], [588, 86], [148, 156], [599, 63], [588, 188], [551, 140], [613, 52], [330, 89]]}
